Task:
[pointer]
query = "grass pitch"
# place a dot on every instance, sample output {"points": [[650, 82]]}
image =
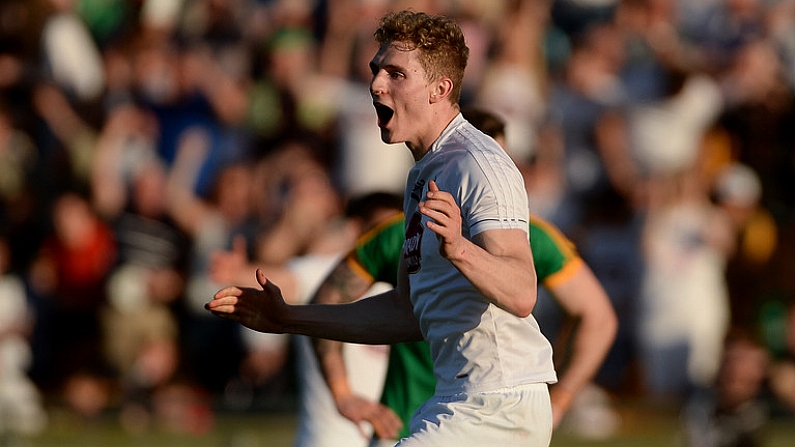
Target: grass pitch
{"points": [[641, 426]]}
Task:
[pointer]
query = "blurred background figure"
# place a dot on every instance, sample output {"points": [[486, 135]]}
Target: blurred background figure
{"points": [[211, 350], [731, 412], [782, 370], [513, 81], [68, 277], [687, 240], [21, 404], [71, 54], [738, 192], [361, 163], [145, 288]]}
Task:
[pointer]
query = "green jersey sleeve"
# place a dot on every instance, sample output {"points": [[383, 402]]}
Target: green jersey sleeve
{"points": [[554, 255], [377, 252]]}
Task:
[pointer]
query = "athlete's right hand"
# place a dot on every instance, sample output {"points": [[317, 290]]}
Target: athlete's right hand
{"points": [[386, 424], [262, 310]]}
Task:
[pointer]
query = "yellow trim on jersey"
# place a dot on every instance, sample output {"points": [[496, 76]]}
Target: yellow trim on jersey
{"points": [[352, 259], [353, 262], [572, 261], [372, 232], [567, 272]]}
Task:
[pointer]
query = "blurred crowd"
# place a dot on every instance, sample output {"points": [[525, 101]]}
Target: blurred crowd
{"points": [[139, 138]]}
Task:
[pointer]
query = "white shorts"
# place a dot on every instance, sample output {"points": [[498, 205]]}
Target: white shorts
{"points": [[516, 416], [377, 442]]}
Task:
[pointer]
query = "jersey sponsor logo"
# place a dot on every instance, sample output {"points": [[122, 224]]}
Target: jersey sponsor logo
{"points": [[411, 247]]}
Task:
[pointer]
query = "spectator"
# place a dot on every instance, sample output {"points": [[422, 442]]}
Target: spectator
{"points": [[71, 53], [362, 162], [731, 412], [738, 192], [687, 240], [70, 276], [140, 331], [211, 349], [21, 403], [782, 371]]}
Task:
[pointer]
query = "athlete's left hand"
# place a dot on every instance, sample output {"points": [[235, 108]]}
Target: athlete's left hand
{"points": [[445, 215], [385, 422]]}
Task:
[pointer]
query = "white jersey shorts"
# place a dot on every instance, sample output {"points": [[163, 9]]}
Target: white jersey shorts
{"points": [[508, 417]]}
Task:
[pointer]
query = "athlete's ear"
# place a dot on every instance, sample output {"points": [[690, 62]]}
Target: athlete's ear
{"points": [[441, 90]]}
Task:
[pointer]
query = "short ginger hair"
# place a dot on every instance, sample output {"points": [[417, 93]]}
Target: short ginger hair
{"points": [[443, 51]]}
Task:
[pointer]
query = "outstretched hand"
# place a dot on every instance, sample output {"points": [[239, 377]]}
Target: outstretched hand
{"points": [[261, 310], [445, 215]]}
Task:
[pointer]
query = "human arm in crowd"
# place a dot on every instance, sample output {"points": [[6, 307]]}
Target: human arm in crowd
{"points": [[185, 207], [234, 267], [334, 58], [386, 318], [108, 190], [499, 263], [583, 298], [77, 136]]}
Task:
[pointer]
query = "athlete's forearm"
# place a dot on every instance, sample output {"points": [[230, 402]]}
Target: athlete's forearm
{"points": [[498, 262], [583, 298], [501, 271], [381, 319], [332, 366]]}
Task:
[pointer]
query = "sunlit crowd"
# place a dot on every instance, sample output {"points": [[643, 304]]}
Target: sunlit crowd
{"points": [[141, 138]]}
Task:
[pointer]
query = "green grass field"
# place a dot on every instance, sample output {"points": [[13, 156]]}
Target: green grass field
{"points": [[641, 426]]}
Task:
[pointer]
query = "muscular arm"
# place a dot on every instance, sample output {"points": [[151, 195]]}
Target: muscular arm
{"points": [[498, 262], [383, 319], [583, 298]]}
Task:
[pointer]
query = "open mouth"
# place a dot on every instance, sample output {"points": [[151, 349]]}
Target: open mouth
{"points": [[384, 114]]}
